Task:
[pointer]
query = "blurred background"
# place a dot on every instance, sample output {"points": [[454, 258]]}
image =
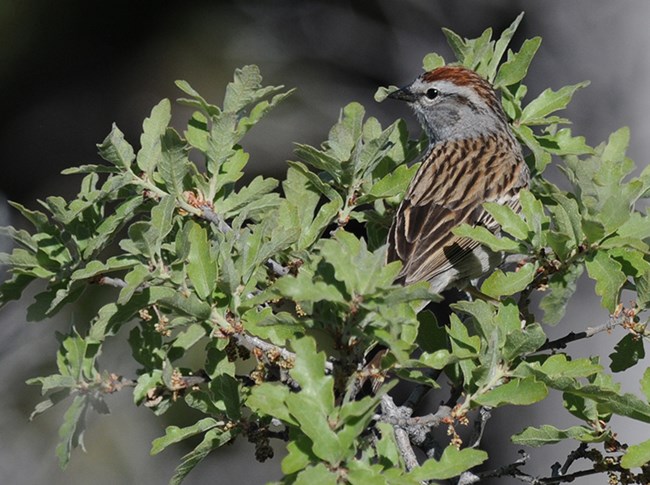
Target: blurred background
{"points": [[69, 69]]}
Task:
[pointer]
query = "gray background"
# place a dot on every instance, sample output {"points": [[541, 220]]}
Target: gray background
{"points": [[69, 69]]}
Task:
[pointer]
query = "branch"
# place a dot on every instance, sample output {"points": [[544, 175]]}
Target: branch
{"points": [[211, 216], [271, 354], [580, 452], [479, 426], [420, 428], [512, 470], [108, 281], [398, 416], [417, 430], [388, 407], [562, 342]]}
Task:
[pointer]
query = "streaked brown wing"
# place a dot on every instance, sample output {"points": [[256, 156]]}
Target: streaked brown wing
{"points": [[455, 179]]}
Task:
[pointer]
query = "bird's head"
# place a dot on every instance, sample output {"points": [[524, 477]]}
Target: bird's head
{"points": [[453, 102]]}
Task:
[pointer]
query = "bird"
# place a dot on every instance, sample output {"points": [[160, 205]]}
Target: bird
{"points": [[472, 157]]}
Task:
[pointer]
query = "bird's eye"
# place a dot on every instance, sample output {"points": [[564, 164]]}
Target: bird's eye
{"points": [[432, 93]]}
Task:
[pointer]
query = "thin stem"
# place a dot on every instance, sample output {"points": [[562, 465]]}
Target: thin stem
{"points": [[252, 343], [108, 281], [480, 425], [512, 470], [432, 420], [562, 342], [580, 452]]}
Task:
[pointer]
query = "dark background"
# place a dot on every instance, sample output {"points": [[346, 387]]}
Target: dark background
{"points": [[69, 69]]}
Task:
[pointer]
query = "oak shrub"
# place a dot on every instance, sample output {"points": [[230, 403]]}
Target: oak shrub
{"points": [[281, 299]]}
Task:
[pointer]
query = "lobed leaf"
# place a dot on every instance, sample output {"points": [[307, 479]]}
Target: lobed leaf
{"points": [[116, 150], [452, 463], [315, 401], [174, 434], [627, 353], [154, 129], [500, 284], [173, 165], [72, 429], [636, 455], [548, 102], [484, 236], [548, 435], [516, 67], [561, 287], [609, 278], [500, 47], [213, 439], [316, 474], [520, 392], [523, 341], [509, 220], [201, 265], [645, 384], [432, 61]]}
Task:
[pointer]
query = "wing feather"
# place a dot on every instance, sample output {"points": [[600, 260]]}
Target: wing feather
{"points": [[454, 180]]}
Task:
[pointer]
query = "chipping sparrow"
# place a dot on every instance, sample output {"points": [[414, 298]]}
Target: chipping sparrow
{"points": [[473, 157]]}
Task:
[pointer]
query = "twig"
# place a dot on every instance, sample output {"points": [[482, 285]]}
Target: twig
{"points": [[115, 282], [211, 216], [420, 429], [270, 350], [276, 267], [417, 430], [108, 281], [568, 478], [468, 478], [555, 480], [512, 470], [273, 352], [397, 418], [580, 452], [479, 426], [562, 342], [388, 407]]}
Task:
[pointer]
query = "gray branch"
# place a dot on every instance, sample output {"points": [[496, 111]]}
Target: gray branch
{"points": [[251, 342], [559, 473], [580, 452], [108, 281], [400, 416], [389, 408], [562, 342], [479, 426]]}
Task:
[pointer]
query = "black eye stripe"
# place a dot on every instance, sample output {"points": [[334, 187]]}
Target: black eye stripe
{"points": [[432, 93]]}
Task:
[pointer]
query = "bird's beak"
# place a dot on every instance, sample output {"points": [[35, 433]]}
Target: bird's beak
{"points": [[404, 94]]}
